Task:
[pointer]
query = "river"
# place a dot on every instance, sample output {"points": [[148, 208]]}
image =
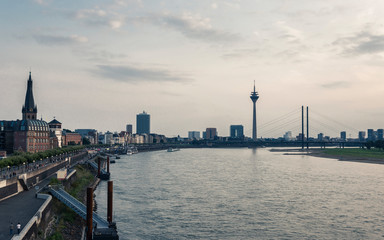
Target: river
{"points": [[244, 194]]}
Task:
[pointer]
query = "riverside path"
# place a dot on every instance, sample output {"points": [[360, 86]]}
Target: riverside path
{"points": [[19, 208]]}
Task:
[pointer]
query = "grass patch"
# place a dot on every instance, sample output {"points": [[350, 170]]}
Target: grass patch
{"points": [[355, 152], [84, 178]]}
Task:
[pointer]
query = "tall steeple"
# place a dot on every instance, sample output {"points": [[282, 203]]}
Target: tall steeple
{"points": [[29, 109]]}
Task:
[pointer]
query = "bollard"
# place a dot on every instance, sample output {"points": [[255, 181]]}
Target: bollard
{"points": [[89, 212], [110, 200]]}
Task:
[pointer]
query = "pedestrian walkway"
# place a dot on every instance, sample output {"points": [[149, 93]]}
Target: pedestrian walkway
{"points": [[19, 208]]}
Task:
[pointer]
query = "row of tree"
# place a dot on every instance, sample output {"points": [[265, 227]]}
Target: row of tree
{"points": [[19, 158], [379, 144]]}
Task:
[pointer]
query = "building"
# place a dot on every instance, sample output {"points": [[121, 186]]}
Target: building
{"points": [[379, 134], [211, 133], [320, 137], [343, 135], [129, 128], [29, 134], [193, 135], [361, 136], [236, 131], [143, 123], [371, 135], [90, 134], [288, 136], [56, 137], [72, 138]]}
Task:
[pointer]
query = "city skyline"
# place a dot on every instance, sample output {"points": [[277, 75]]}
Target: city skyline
{"points": [[98, 65]]}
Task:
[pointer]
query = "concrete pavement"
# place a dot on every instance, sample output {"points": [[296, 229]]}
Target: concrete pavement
{"points": [[19, 208]]}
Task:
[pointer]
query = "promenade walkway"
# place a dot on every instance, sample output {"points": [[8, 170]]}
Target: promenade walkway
{"points": [[22, 207], [19, 208]]}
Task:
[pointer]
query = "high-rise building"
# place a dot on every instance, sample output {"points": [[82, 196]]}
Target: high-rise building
{"points": [[143, 123], [361, 136], [288, 136], [193, 135], [343, 135], [371, 135], [254, 97], [129, 128], [236, 131], [211, 133], [320, 136], [379, 134]]}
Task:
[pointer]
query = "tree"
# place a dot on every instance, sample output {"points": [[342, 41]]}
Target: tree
{"points": [[86, 141]]}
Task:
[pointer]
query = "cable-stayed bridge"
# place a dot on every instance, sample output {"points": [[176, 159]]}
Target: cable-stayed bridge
{"points": [[307, 127]]}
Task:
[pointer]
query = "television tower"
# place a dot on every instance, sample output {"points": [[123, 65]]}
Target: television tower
{"points": [[254, 97]]}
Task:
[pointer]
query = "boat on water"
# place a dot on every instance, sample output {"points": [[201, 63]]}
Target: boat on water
{"points": [[112, 161], [173, 149], [117, 157]]}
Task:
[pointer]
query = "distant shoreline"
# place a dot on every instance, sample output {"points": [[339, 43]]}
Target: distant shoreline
{"points": [[321, 154]]}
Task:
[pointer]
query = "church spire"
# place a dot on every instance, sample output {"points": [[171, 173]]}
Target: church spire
{"points": [[29, 109]]}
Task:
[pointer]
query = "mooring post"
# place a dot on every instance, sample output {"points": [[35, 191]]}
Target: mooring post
{"points": [[89, 212], [98, 167], [108, 164], [110, 201]]}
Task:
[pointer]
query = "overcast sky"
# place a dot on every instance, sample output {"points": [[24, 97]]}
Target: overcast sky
{"points": [[191, 64]]}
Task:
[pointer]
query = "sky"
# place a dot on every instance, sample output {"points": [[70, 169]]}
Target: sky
{"points": [[192, 64]]}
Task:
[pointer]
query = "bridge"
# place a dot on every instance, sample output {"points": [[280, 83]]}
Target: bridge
{"points": [[297, 125]]}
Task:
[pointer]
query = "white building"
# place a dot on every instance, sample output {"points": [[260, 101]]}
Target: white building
{"points": [[288, 136], [194, 135]]}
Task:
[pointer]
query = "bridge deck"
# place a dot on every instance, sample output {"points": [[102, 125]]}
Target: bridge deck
{"points": [[77, 206]]}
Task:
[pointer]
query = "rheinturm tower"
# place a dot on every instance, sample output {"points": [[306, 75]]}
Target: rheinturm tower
{"points": [[29, 109], [254, 97]]}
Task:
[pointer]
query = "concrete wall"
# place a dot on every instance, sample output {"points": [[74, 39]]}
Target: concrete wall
{"points": [[8, 187]]}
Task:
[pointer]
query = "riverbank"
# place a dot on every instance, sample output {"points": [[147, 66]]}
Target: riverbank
{"points": [[375, 156], [350, 154], [64, 223]]}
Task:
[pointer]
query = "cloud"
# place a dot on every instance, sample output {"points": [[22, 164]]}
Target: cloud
{"points": [[99, 17], [239, 53], [336, 84], [95, 55], [288, 33], [360, 44], [133, 74], [51, 40], [193, 26]]}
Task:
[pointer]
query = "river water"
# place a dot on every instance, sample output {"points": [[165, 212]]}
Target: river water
{"points": [[244, 194]]}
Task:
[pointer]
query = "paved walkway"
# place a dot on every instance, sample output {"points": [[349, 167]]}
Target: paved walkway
{"points": [[20, 208]]}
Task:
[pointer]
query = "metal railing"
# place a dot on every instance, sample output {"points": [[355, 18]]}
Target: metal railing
{"points": [[77, 206]]}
